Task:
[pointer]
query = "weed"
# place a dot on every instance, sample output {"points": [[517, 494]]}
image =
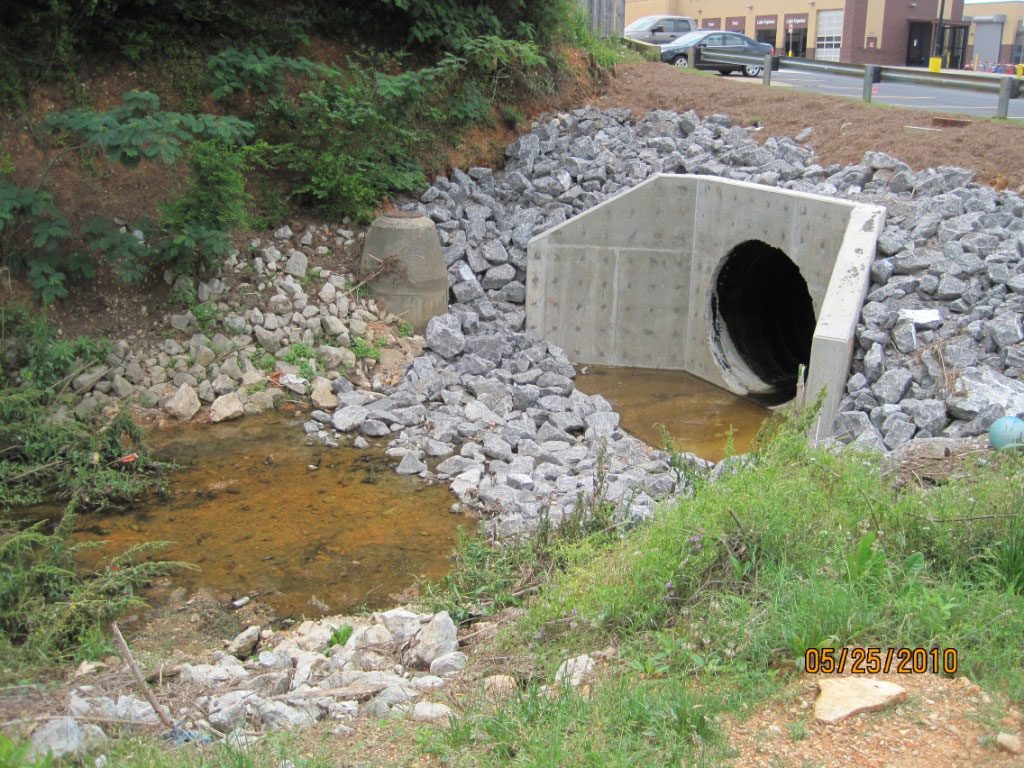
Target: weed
{"points": [[207, 314], [340, 636], [195, 227], [688, 474], [259, 386], [364, 350], [405, 330], [311, 276], [265, 362], [14, 755]]}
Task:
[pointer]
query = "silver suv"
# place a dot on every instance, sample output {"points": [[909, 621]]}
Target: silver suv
{"points": [[658, 30]]}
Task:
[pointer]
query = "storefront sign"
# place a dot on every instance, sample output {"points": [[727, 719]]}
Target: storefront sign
{"points": [[711, 24], [766, 22], [796, 20], [736, 23]]}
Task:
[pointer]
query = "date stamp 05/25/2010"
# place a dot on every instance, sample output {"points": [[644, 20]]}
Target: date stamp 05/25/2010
{"points": [[874, 661]]}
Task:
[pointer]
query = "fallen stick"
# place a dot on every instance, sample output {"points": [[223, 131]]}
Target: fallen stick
{"points": [[126, 654]]}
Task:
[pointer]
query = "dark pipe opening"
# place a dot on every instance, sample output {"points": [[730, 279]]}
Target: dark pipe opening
{"points": [[763, 303]]}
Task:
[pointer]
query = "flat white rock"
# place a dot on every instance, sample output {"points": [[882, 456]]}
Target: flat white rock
{"points": [[844, 697]]}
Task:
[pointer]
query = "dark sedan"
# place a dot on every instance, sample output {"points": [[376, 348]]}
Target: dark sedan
{"points": [[677, 52]]}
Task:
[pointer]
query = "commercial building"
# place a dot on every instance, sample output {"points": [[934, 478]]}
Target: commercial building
{"points": [[893, 32], [996, 33]]}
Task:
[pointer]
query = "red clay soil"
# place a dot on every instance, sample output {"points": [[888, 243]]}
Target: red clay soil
{"points": [[843, 128]]}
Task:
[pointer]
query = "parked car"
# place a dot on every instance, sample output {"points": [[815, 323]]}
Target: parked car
{"points": [[660, 29], [677, 52]]}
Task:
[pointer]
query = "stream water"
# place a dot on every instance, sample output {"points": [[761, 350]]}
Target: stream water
{"points": [[699, 416], [310, 530]]}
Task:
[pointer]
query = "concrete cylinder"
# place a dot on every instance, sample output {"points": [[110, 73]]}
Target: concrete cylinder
{"points": [[416, 287]]}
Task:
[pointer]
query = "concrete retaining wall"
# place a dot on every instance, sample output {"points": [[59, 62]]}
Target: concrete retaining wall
{"points": [[631, 281]]}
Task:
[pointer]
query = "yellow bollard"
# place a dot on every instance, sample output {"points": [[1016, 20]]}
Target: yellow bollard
{"points": [[1020, 71], [935, 64]]}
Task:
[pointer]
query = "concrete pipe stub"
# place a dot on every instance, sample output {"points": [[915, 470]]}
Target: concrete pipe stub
{"points": [[415, 284]]}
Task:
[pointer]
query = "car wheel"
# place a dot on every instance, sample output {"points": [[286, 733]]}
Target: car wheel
{"points": [[751, 71], [725, 71], [681, 61]]}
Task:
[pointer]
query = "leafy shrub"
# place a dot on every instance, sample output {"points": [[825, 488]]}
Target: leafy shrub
{"points": [[49, 40], [139, 130], [128, 254], [45, 456], [349, 140], [35, 235], [47, 608], [195, 227], [33, 231], [232, 71]]}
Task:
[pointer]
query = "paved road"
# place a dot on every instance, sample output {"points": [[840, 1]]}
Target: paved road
{"points": [[899, 94]]}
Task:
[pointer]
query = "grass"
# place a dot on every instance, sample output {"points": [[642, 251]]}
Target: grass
{"points": [[272, 751], [712, 605]]}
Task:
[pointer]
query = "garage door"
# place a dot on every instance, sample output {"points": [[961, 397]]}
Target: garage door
{"points": [[988, 37], [830, 35]]}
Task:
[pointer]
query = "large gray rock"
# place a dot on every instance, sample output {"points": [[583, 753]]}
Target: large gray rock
{"points": [[64, 736], [296, 264], [444, 336], [437, 638], [977, 389], [226, 407], [278, 716], [184, 404], [892, 385], [348, 418], [245, 642]]}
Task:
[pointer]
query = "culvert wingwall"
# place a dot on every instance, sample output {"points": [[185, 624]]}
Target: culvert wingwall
{"points": [[712, 277]]}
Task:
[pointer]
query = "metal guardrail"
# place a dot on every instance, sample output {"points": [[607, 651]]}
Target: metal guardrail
{"points": [[647, 50], [871, 74]]}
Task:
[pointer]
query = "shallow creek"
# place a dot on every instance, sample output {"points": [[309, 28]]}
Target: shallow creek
{"points": [[310, 531], [699, 416]]}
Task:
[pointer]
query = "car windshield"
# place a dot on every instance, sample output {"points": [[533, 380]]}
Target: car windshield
{"points": [[689, 38], [645, 22]]}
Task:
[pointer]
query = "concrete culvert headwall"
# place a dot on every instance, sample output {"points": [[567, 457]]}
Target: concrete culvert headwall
{"points": [[762, 313], [734, 282]]}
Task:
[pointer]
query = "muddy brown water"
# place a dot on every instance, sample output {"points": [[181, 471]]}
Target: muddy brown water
{"points": [[248, 509], [698, 415]]}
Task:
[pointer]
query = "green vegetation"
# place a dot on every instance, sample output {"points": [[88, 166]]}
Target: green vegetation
{"points": [[36, 238], [14, 755], [195, 227], [405, 330], [45, 452], [337, 137], [341, 635], [713, 604], [140, 751], [49, 611], [364, 350], [303, 356]]}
